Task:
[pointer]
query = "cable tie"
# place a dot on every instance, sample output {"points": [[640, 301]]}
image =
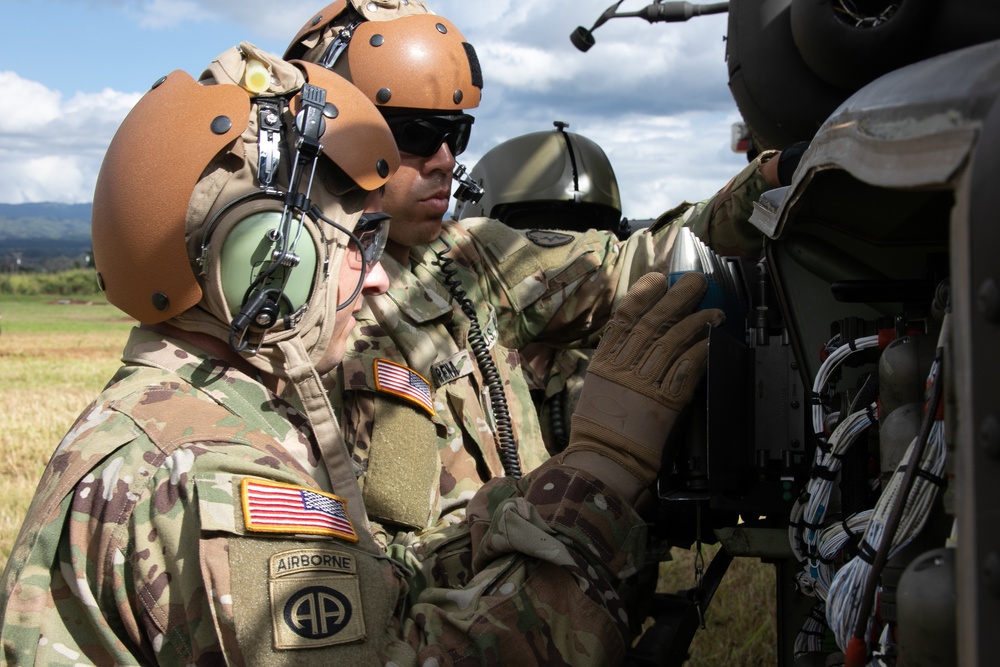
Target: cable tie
{"points": [[866, 552], [937, 481], [814, 526], [822, 472], [851, 535]]}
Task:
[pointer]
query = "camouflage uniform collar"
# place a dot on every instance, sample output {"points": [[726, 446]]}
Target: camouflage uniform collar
{"points": [[233, 389], [411, 295], [150, 348], [225, 384]]}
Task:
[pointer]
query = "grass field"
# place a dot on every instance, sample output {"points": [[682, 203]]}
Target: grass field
{"points": [[740, 624], [56, 353]]}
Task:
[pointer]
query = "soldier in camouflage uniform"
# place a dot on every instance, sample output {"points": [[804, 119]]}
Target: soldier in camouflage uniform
{"points": [[436, 358], [204, 508], [549, 180]]}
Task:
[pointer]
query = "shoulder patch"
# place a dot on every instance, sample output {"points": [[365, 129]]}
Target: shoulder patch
{"points": [[315, 598], [404, 382], [547, 238], [274, 507]]}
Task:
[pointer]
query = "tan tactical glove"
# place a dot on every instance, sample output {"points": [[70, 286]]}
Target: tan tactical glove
{"points": [[645, 370]]}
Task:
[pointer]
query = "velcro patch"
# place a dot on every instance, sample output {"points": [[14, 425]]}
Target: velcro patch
{"points": [[315, 598], [404, 382], [273, 507]]}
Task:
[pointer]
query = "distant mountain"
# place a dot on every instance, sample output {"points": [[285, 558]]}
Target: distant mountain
{"points": [[38, 234], [47, 210]]}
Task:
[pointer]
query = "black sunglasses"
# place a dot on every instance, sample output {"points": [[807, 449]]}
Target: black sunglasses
{"points": [[422, 134]]}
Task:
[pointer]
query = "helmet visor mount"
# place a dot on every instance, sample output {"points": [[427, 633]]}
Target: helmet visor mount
{"points": [[422, 134]]}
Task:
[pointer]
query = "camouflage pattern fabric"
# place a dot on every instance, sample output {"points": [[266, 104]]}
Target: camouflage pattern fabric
{"points": [[723, 221], [555, 377], [554, 288], [141, 547]]}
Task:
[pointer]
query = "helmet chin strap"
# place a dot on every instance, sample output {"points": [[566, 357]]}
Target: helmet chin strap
{"points": [[302, 375], [299, 370]]}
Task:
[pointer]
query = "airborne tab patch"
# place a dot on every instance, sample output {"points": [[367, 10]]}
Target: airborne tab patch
{"points": [[404, 382], [273, 507]]}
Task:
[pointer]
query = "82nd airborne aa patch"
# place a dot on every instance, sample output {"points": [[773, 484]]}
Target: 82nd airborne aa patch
{"points": [[315, 598]]}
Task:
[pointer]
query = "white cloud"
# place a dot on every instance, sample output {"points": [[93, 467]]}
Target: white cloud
{"points": [[662, 161], [37, 105], [170, 13], [654, 97], [68, 179], [521, 67], [51, 149]]}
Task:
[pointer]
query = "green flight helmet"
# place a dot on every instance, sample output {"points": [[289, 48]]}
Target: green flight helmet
{"points": [[548, 180]]}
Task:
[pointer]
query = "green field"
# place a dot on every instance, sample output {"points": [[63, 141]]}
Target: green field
{"points": [[56, 353]]}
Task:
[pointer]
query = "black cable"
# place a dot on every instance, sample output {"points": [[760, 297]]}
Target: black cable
{"points": [[557, 421], [506, 443]]}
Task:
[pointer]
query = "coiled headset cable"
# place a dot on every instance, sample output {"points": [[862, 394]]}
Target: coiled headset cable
{"points": [[506, 444]]}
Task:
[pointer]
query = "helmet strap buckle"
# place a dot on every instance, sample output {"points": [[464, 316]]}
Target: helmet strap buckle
{"points": [[268, 141], [340, 44]]}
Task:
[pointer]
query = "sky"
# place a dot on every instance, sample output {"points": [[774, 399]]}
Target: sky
{"points": [[654, 96]]}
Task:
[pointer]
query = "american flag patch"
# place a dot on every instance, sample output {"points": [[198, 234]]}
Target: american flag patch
{"points": [[400, 381], [273, 507]]}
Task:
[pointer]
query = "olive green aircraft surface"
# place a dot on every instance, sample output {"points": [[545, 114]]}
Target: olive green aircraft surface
{"points": [[850, 427]]}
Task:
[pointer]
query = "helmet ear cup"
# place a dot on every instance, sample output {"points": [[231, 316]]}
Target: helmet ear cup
{"points": [[254, 285]]}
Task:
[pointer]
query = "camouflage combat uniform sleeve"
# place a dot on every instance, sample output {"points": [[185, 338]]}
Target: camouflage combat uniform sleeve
{"points": [[139, 547], [556, 377], [146, 544], [723, 221], [540, 577], [551, 287], [560, 287], [556, 374]]}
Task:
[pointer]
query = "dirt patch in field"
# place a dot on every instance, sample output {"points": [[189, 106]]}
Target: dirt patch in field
{"points": [[74, 302]]}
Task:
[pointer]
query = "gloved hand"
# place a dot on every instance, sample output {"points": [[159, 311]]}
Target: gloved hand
{"points": [[789, 160], [644, 372]]}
